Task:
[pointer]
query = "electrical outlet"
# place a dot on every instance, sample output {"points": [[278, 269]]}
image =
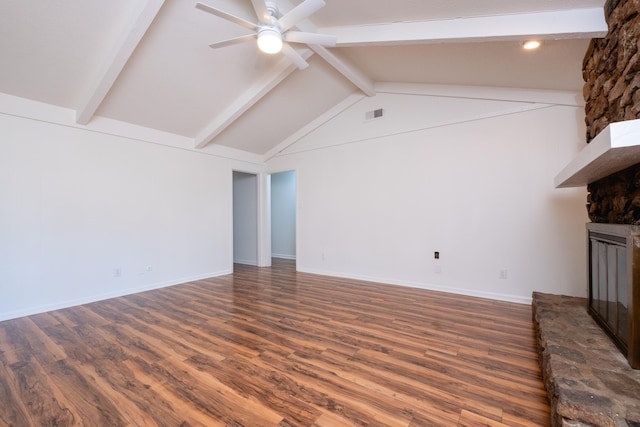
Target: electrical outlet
{"points": [[117, 272], [503, 273]]}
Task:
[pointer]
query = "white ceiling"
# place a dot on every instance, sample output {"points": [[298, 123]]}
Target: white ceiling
{"points": [[147, 62]]}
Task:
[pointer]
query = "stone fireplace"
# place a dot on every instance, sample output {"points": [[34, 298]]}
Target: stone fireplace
{"points": [[589, 381], [610, 167], [611, 71]]}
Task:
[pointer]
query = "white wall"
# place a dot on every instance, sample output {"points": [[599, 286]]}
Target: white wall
{"points": [[245, 218], [75, 206], [470, 178], [283, 215]]}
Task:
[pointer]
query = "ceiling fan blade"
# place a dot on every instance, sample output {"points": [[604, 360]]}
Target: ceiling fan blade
{"points": [[260, 6], [310, 38], [229, 17], [300, 12], [232, 41], [294, 56]]}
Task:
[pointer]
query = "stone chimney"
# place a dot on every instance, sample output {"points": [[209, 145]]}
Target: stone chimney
{"points": [[611, 71]]}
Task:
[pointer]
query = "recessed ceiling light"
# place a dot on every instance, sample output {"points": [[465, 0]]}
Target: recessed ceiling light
{"points": [[531, 44]]}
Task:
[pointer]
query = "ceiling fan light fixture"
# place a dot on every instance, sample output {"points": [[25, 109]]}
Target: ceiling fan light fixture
{"points": [[272, 9], [270, 40]]}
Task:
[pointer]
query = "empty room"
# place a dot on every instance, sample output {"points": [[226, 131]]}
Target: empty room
{"points": [[314, 212]]}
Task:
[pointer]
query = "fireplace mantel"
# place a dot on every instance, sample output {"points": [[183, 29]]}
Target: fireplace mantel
{"points": [[615, 148]]}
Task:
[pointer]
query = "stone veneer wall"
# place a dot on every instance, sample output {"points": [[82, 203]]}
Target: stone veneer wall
{"points": [[611, 70]]}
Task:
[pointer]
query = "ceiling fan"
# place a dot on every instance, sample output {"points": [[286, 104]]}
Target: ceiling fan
{"points": [[273, 31]]}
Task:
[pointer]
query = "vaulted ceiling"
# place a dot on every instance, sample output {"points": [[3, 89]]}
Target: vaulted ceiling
{"points": [[147, 62]]}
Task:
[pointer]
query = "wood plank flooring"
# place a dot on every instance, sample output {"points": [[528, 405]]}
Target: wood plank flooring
{"points": [[272, 347]]}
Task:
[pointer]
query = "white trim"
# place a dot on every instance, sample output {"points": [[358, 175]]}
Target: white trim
{"points": [[313, 125], [108, 295], [283, 256], [264, 220], [119, 56], [549, 25], [47, 113], [349, 71], [245, 262], [556, 97], [427, 286], [248, 99], [342, 65], [484, 116]]}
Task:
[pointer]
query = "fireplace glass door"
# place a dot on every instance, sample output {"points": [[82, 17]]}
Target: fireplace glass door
{"points": [[609, 287], [614, 284]]}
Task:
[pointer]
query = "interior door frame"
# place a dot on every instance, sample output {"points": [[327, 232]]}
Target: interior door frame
{"points": [[296, 207], [258, 213], [264, 214]]}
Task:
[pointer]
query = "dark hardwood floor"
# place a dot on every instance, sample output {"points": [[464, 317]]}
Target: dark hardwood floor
{"points": [[272, 347]]}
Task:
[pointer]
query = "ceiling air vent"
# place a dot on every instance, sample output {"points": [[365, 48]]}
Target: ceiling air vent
{"points": [[374, 114]]}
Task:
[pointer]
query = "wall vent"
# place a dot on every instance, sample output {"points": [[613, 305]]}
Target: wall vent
{"points": [[374, 114]]}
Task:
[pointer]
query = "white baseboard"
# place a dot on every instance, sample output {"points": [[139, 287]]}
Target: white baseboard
{"points": [[283, 256], [431, 287], [108, 295], [245, 262], [74, 302]]}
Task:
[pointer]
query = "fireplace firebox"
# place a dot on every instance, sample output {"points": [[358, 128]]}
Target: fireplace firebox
{"points": [[614, 284]]}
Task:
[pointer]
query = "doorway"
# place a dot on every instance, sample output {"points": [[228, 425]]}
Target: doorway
{"points": [[245, 218], [283, 215]]}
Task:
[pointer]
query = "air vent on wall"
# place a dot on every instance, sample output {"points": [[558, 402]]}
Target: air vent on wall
{"points": [[374, 114]]}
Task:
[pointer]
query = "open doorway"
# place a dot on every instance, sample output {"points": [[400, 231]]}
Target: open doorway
{"points": [[283, 215], [245, 218]]}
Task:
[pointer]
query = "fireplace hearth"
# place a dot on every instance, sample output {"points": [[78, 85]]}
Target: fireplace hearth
{"points": [[589, 382]]}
